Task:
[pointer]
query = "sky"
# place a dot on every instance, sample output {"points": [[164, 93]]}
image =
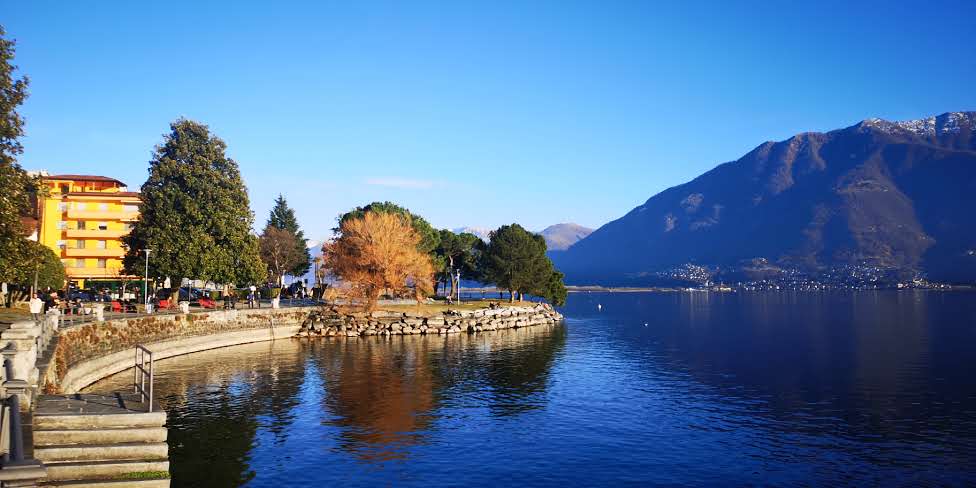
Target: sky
{"points": [[473, 113]]}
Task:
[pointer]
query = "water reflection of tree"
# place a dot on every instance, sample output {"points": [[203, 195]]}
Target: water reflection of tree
{"points": [[385, 393], [217, 402]]}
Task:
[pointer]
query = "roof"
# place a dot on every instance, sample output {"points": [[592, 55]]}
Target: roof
{"points": [[134, 194], [84, 178]]}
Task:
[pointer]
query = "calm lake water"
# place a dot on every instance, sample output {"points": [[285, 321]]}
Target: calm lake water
{"points": [[863, 388]]}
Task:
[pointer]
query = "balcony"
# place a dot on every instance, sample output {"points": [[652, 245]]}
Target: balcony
{"points": [[73, 252], [78, 273], [102, 215], [95, 233]]}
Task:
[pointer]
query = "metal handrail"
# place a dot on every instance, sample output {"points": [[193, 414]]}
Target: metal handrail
{"points": [[143, 358]]}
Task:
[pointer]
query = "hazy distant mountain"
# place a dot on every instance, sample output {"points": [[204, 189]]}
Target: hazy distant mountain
{"points": [[560, 236], [478, 231], [893, 194]]}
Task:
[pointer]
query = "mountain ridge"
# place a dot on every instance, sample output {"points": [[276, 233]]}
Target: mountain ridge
{"points": [[877, 192]]}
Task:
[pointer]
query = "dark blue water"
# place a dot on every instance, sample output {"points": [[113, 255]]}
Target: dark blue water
{"points": [[865, 388]]}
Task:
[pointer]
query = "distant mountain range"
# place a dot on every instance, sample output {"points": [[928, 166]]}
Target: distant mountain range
{"points": [[879, 193], [558, 237]]}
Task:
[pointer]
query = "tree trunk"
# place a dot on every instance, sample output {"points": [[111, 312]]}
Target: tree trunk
{"points": [[520, 297], [511, 296]]}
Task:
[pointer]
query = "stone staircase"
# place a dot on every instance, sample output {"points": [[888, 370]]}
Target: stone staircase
{"points": [[100, 441]]}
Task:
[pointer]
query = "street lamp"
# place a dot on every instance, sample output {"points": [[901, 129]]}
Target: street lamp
{"points": [[145, 282]]}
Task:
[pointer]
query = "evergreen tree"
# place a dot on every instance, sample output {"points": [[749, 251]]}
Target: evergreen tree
{"points": [[283, 218], [195, 214], [515, 259], [15, 186]]}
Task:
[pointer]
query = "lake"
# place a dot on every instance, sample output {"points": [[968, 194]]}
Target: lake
{"points": [[853, 388]]}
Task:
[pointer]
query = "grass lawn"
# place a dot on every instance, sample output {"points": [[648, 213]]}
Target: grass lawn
{"points": [[10, 315]]}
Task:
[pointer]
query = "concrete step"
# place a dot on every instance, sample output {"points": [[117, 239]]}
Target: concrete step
{"points": [[108, 484], [102, 470], [99, 436], [99, 421], [158, 451]]}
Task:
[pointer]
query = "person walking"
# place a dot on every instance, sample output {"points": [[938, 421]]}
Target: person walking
{"points": [[36, 306]]}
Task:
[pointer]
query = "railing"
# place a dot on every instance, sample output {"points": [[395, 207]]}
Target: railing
{"points": [[144, 357]]}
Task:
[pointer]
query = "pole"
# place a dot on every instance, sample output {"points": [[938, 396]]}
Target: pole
{"points": [[145, 282], [459, 285]]}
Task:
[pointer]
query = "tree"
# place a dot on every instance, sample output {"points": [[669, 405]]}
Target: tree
{"points": [[429, 236], [47, 265], [457, 252], [15, 184], [279, 253], [515, 259], [195, 214], [283, 217], [379, 251]]}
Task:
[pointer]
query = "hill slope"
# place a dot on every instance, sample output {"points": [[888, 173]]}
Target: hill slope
{"points": [[891, 194]]}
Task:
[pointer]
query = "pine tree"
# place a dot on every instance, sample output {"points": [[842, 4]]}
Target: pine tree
{"points": [[515, 259], [283, 218], [195, 214]]}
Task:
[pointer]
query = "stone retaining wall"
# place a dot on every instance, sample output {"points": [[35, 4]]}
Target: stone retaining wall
{"points": [[99, 349], [331, 323]]}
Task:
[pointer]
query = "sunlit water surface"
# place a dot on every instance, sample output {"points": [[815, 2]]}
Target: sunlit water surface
{"points": [[861, 388]]}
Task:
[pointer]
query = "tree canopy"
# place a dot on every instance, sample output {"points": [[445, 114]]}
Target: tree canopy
{"points": [[457, 252], [279, 252], [195, 213], [379, 252], [429, 236], [283, 218], [19, 257], [515, 259]]}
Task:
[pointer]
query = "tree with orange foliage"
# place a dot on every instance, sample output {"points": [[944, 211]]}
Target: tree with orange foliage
{"points": [[378, 252]]}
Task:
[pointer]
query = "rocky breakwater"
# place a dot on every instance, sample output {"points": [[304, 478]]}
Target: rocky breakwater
{"points": [[335, 323]]}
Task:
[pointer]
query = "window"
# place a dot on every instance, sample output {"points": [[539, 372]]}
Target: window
{"points": [[65, 188], [100, 263], [81, 225], [63, 207], [103, 207], [62, 225], [103, 226], [79, 206], [62, 244], [131, 207], [79, 244], [99, 244]]}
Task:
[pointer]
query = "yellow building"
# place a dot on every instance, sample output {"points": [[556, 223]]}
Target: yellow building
{"points": [[83, 219]]}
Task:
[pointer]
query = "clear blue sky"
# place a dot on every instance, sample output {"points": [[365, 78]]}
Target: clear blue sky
{"points": [[471, 113]]}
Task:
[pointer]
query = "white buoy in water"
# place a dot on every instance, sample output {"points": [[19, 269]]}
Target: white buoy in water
{"points": [[645, 324], [599, 307]]}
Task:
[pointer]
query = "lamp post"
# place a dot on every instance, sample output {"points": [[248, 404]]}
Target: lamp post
{"points": [[145, 281]]}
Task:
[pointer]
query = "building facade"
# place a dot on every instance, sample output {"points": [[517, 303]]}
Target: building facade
{"points": [[83, 219]]}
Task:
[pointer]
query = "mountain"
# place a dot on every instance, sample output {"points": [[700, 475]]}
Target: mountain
{"points": [[887, 194], [560, 237], [478, 231]]}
